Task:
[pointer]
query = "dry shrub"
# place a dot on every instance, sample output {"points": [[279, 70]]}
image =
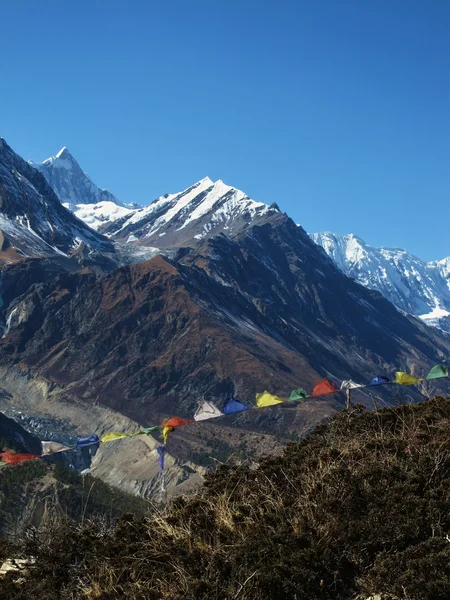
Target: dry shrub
{"points": [[360, 507]]}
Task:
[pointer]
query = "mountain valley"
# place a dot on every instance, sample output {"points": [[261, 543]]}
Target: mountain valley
{"points": [[202, 295]]}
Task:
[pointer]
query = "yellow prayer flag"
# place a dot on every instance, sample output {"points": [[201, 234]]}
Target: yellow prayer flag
{"points": [[165, 433], [405, 378], [115, 435], [267, 399]]}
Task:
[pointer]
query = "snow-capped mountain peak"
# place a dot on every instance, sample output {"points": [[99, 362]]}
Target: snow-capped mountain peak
{"points": [[414, 286], [205, 208], [70, 183], [32, 220], [63, 152]]}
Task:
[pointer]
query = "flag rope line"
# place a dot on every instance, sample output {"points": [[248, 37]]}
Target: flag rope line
{"points": [[208, 410]]}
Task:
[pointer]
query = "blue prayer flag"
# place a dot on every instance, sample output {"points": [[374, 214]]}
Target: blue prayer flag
{"points": [[379, 380], [161, 451], [234, 406], [90, 440]]}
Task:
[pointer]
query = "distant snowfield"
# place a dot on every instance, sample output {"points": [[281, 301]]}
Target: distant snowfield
{"points": [[98, 214], [414, 286]]}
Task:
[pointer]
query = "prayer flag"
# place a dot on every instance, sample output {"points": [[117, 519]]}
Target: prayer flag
{"points": [[324, 387], [165, 433], [349, 384], [11, 458], [405, 378], [49, 448], [161, 451], [266, 399], [379, 380], [90, 440], [299, 394], [207, 410], [437, 372], [148, 430], [116, 435], [234, 406], [177, 422]]}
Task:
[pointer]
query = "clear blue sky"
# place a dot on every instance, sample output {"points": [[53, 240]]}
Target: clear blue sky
{"points": [[337, 110]]}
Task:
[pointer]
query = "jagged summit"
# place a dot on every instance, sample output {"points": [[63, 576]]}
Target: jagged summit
{"points": [[71, 184], [204, 209]]}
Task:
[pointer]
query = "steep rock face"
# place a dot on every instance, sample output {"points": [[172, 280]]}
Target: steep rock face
{"points": [[32, 220], [417, 287], [153, 338]]}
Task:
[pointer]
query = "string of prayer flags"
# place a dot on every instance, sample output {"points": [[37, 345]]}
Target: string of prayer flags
{"points": [[11, 458], [349, 384], [379, 380], [234, 406], [324, 387], [207, 410], [266, 399], [299, 394], [49, 448], [437, 372], [90, 440], [405, 378]]}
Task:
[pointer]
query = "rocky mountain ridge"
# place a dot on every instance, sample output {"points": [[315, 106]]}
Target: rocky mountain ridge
{"points": [[207, 208]]}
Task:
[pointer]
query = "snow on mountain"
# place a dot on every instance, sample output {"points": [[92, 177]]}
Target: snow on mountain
{"points": [[414, 286], [204, 209], [96, 215], [211, 207], [71, 184], [32, 220]]}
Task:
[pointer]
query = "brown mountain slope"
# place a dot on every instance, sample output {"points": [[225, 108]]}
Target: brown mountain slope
{"points": [[265, 310]]}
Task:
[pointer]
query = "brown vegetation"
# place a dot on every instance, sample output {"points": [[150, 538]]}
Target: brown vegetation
{"points": [[359, 507]]}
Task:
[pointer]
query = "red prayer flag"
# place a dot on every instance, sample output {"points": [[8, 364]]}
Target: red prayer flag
{"points": [[177, 422], [11, 458], [324, 387]]}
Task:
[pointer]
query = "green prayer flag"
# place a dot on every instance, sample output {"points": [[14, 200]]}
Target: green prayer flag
{"points": [[299, 394], [150, 429], [437, 372]]}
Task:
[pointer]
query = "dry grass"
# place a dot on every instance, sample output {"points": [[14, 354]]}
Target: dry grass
{"points": [[362, 506]]}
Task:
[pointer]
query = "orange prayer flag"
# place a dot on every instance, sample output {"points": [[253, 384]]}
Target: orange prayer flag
{"points": [[177, 422], [324, 387], [11, 458]]}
